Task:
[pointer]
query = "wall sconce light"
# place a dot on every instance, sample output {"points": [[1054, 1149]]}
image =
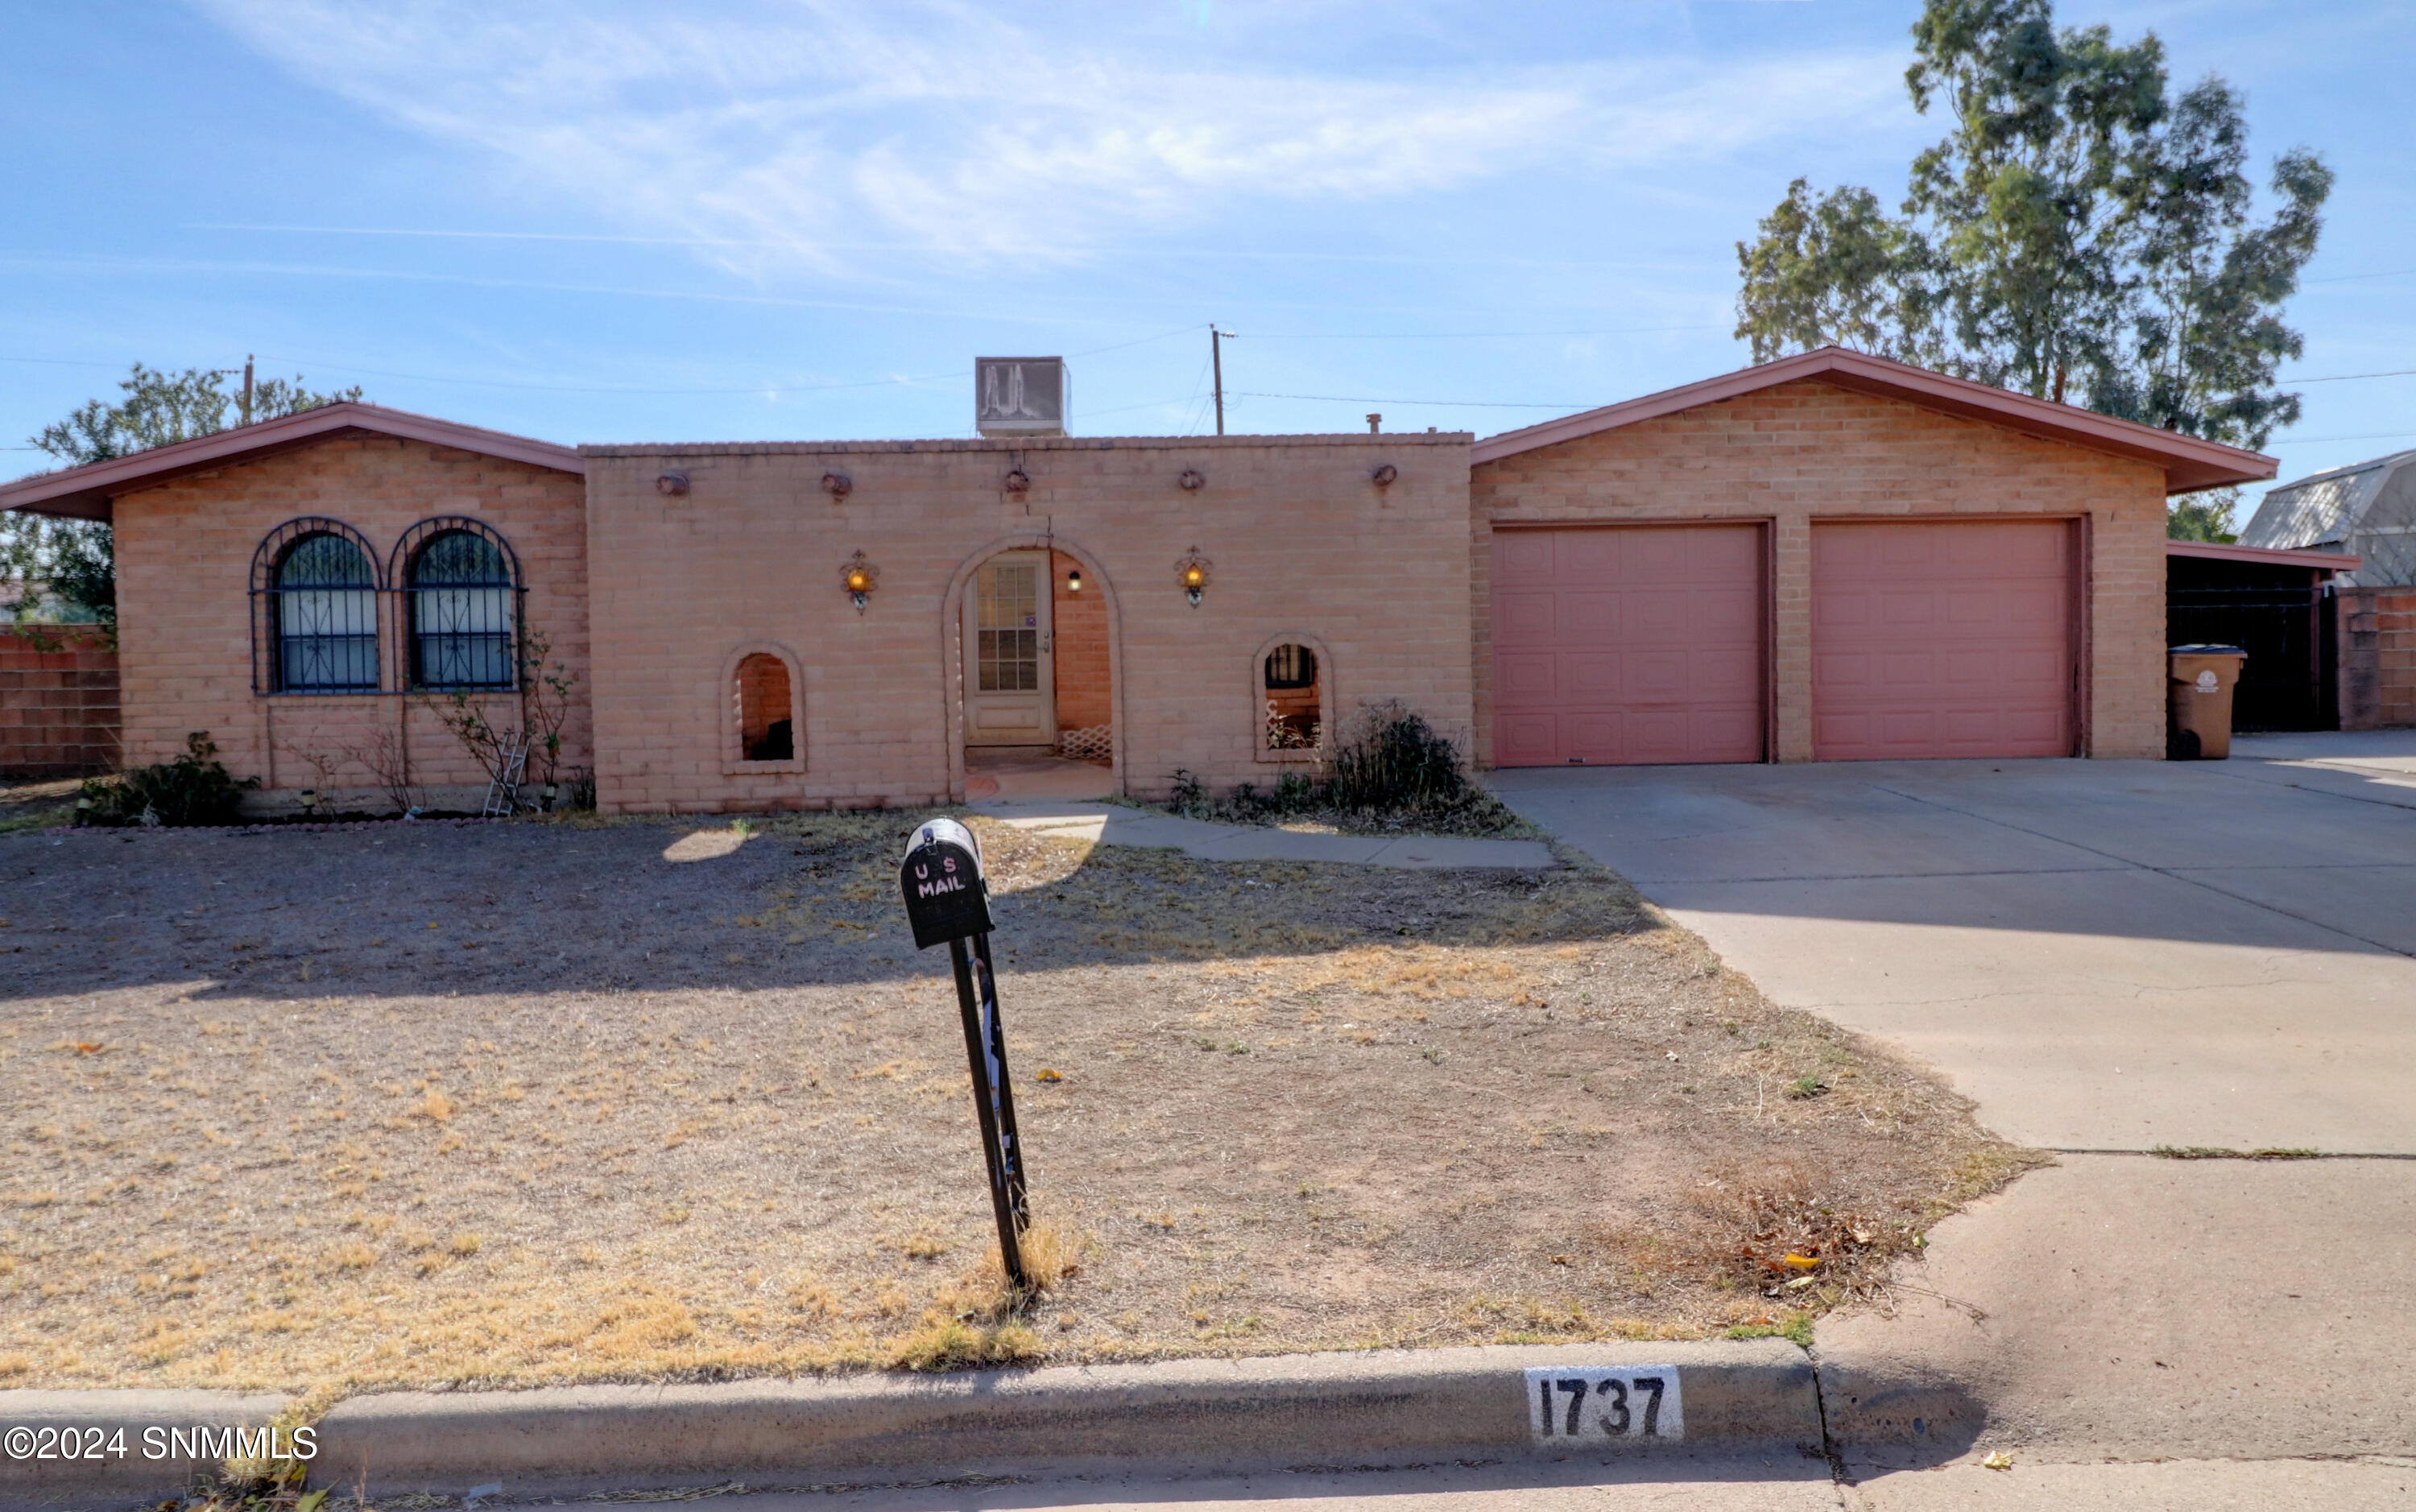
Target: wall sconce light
{"points": [[1018, 480], [1192, 480], [859, 578], [1073, 579], [1191, 571], [672, 485], [837, 484], [1384, 475]]}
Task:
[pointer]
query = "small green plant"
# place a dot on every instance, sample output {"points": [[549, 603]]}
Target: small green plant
{"points": [[1806, 1085], [1188, 795], [195, 788]]}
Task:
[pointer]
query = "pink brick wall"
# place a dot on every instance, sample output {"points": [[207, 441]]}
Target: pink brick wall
{"points": [[185, 552], [58, 702], [1301, 541], [1085, 687], [2378, 657], [1801, 451]]}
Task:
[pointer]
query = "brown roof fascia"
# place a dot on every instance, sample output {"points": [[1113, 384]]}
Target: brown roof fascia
{"points": [[2189, 463], [87, 491], [2265, 554]]}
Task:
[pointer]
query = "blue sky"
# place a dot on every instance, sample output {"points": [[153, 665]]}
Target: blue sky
{"points": [[752, 219]]}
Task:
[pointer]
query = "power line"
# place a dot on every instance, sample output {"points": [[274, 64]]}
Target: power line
{"points": [[1368, 398]]}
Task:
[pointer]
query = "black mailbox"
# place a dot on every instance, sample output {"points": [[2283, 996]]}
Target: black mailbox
{"points": [[942, 877]]}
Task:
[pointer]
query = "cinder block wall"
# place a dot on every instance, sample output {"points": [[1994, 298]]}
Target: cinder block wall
{"points": [[2378, 657], [185, 552], [1302, 539], [1804, 451], [58, 702]]}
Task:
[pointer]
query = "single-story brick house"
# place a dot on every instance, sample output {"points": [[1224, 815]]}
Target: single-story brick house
{"points": [[1826, 557]]}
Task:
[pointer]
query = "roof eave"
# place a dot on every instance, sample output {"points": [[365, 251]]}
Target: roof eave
{"points": [[89, 491], [2189, 463]]}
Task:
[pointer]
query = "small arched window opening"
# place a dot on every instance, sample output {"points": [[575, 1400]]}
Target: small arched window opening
{"points": [[1291, 701], [322, 616], [767, 729], [461, 590]]}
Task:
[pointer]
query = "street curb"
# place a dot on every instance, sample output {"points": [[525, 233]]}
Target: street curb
{"points": [[1378, 1407]]}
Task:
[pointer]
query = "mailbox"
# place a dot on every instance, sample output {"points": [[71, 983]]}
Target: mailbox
{"points": [[946, 898], [947, 903]]}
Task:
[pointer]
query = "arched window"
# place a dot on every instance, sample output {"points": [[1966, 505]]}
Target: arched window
{"points": [[460, 587], [1293, 704], [767, 729], [322, 616]]}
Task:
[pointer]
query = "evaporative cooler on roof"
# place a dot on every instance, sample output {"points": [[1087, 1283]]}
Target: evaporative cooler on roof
{"points": [[1019, 395]]}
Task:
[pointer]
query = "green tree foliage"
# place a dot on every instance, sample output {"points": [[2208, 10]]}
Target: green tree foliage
{"points": [[2077, 235], [2203, 517], [74, 559]]}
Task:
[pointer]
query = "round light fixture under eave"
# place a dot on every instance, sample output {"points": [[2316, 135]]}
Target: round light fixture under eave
{"points": [[672, 485]]}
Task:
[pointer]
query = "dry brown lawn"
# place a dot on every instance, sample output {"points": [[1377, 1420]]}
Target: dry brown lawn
{"points": [[642, 1101]]}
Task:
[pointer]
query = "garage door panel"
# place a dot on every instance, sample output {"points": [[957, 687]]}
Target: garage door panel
{"points": [[1525, 676], [1526, 740], [1653, 638], [1941, 639]]}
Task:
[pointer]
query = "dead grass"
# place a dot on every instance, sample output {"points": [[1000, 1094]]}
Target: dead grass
{"points": [[595, 1099]]}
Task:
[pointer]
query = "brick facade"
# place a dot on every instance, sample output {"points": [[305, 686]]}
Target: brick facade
{"points": [[185, 550], [2378, 657], [1085, 690], [1303, 545], [58, 702], [1801, 451]]}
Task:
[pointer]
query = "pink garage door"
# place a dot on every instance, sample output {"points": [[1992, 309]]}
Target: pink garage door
{"points": [[1627, 644], [1950, 638]]}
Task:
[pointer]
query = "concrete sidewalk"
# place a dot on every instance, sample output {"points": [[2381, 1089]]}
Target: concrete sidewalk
{"points": [[1116, 824], [2107, 956]]}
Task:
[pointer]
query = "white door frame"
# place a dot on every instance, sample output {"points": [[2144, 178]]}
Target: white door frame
{"points": [[1023, 709]]}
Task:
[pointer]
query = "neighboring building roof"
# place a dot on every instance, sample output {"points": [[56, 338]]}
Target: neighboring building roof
{"points": [[87, 492], [2219, 551], [2189, 463], [2367, 507]]}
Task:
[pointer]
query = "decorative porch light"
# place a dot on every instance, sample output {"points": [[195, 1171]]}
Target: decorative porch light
{"points": [[1191, 570], [1073, 579], [859, 578]]}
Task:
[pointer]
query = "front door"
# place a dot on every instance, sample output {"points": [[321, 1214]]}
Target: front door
{"points": [[1010, 688]]}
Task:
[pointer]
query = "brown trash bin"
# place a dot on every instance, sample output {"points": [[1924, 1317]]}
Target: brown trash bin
{"points": [[2199, 680]]}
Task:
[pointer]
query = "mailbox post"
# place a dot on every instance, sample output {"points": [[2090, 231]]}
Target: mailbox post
{"points": [[947, 900]]}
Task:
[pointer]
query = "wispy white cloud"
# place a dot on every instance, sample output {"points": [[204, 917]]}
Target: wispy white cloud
{"points": [[821, 126]]}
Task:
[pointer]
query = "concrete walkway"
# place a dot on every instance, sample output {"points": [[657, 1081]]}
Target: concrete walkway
{"points": [[1114, 824], [2108, 956]]}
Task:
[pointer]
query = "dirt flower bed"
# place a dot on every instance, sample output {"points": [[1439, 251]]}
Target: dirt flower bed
{"points": [[558, 1100]]}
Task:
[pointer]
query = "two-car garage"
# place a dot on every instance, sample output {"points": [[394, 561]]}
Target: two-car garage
{"points": [[1827, 557], [1618, 644]]}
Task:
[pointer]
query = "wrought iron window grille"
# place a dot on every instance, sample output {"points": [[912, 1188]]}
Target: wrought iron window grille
{"points": [[461, 589], [314, 619]]}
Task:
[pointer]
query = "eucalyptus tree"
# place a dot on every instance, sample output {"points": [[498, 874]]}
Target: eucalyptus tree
{"points": [[2079, 233]]}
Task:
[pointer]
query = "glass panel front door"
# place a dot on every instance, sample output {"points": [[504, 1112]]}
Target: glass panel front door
{"points": [[1010, 685]]}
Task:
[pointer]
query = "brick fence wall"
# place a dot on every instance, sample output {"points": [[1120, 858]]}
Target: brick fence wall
{"points": [[58, 702], [2378, 657]]}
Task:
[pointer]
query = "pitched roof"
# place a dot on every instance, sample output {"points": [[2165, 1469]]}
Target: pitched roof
{"points": [[2189, 463], [87, 491]]}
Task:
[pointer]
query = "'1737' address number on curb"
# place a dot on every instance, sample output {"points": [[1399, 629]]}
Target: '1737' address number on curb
{"points": [[1638, 1403]]}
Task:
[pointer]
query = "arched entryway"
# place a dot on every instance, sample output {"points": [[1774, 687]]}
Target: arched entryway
{"points": [[1033, 674]]}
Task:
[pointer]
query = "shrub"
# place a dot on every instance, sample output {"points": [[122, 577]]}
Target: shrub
{"points": [[195, 788], [1395, 763]]}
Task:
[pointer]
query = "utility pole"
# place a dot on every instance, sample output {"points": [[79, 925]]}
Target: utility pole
{"points": [[1216, 360], [247, 388]]}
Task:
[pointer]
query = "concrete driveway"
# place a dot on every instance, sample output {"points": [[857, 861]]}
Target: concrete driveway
{"points": [[2107, 957]]}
